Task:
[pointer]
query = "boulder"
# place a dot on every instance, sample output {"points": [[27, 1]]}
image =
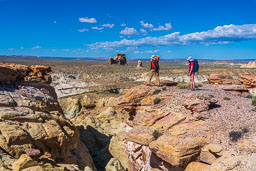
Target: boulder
{"points": [[117, 149], [177, 151], [210, 153], [139, 64], [23, 162], [222, 79], [23, 73], [71, 107], [114, 165], [248, 80], [118, 59], [197, 166]]}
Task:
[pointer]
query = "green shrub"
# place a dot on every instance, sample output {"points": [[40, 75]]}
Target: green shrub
{"points": [[156, 134], [254, 101], [245, 130], [183, 86], [227, 98], [235, 135], [249, 96], [199, 85]]}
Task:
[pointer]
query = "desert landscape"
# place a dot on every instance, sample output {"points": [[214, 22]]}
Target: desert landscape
{"points": [[72, 114]]}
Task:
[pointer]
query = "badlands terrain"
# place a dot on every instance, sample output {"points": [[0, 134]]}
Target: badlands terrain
{"points": [[87, 115]]}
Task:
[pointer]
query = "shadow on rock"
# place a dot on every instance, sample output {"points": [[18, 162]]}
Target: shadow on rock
{"points": [[97, 144]]}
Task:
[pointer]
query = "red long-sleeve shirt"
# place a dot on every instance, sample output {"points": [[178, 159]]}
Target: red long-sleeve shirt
{"points": [[191, 64], [152, 62]]}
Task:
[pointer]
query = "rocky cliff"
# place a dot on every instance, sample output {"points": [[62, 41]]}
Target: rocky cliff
{"points": [[34, 134]]}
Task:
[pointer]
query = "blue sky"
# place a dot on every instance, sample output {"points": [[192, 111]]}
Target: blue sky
{"points": [[213, 29]]}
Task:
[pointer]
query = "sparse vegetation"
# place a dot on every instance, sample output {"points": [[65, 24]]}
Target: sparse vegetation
{"points": [[157, 100], [245, 130], [199, 85], [227, 98], [156, 134], [156, 91], [235, 135], [249, 96], [254, 101], [183, 86]]}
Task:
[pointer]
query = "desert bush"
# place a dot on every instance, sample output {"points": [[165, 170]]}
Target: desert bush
{"points": [[183, 86], [235, 135], [227, 98], [199, 85], [156, 134], [156, 91], [249, 96], [245, 130], [254, 101], [157, 100]]}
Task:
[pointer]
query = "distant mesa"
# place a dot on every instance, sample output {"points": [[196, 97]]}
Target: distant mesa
{"points": [[251, 64], [119, 59]]}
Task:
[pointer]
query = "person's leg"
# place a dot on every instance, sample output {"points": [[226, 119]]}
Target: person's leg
{"points": [[150, 75], [157, 77], [193, 80]]}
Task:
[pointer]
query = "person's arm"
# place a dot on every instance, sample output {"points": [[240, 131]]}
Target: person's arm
{"points": [[158, 57]]}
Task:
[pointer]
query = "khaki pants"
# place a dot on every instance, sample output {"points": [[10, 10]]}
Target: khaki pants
{"points": [[156, 73]]}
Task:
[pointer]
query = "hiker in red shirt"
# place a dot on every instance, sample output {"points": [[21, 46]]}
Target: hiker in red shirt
{"points": [[191, 72], [154, 70]]}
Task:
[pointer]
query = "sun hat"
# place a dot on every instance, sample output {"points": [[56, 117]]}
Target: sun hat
{"points": [[153, 56], [189, 58]]}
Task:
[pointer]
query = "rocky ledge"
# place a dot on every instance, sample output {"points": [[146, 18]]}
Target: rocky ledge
{"points": [[178, 129], [34, 133]]}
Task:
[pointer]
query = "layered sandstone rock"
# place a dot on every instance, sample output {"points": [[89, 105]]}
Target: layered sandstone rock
{"points": [[164, 136], [222, 79], [249, 81], [118, 59], [251, 64], [23, 73], [32, 125]]}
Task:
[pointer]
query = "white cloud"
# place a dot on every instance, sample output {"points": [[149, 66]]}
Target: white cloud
{"points": [[147, 51], [143, 31], [83, 30], [108, 25], [36, 47], [169, 51], [167, 26], [21, 47], [87, 20], [123, 25], [219, 35], [54, 50], [129, 31], [54, 22], [66, 50], [11, 49], [97, 28], [146, 25]]}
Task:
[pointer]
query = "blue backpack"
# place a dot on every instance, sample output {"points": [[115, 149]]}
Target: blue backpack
{"points": [[196, 66]]}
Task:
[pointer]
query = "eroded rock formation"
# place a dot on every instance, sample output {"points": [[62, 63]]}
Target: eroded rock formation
{"points": [[118, 59], [139, 64], [251, 64], [34, 134], [174, 134], [222, 79]]}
